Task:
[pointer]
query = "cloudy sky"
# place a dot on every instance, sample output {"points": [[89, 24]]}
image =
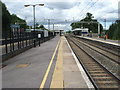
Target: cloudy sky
{"points": [[62, 12]]}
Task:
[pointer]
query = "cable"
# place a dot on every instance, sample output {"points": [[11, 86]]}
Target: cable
{"points": [[85, 7], [90, 7]]}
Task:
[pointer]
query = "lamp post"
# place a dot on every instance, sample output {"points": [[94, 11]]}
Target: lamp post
{"points": [[34, 17], [53, 16], [98, 29], [105, 23]]}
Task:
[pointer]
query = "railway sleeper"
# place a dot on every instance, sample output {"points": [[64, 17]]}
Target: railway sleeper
{"points": [[108, 83], [97, 72], [91, 63], [100, 75], [109, 86], [103, 79], [94, 69]]}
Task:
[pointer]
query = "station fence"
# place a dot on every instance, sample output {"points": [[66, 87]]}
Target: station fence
{"points": [[20, 40]]}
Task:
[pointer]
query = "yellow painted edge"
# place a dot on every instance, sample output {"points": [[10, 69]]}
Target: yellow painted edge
{"points": [[48, 69], [57, 78]]}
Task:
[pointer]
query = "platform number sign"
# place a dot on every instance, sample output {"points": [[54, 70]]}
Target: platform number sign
{"points": [[39, 35]]}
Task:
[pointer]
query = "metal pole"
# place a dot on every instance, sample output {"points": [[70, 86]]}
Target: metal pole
{"points": [[49, 24], [53, 25], [39, 41], [18, 38], [105, 23], [6, 48], [98, 29], [10, 41], [13, 40], [26, 38], [34, 23], [73, 23], [53, 30]]}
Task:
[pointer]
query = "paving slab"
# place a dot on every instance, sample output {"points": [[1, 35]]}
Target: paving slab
{"points": [[73, 77]]}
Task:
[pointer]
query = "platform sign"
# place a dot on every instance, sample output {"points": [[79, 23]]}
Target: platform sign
{"points": [[39, 35], [15, 26], [84, 32]]}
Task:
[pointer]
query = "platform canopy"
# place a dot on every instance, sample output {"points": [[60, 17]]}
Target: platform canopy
{"points": [[81, 29]]}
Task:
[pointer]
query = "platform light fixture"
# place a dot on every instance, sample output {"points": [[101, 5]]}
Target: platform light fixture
{"points": [[34, 17]]}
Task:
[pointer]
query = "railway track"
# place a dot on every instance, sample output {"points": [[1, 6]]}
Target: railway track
{"points": [[109, 49], [112, 56], [100, 76], [109, 59]]}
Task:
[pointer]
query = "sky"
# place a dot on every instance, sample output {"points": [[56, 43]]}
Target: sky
{"points": [[63, 12]]}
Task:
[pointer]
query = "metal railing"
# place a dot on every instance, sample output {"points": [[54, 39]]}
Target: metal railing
{"points": [[18, 40]]}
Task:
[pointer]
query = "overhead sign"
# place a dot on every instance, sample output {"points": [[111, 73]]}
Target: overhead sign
{"points": [[15, 26]]}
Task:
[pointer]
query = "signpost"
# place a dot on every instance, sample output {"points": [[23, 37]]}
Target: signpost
{"points": [[39, 36]]}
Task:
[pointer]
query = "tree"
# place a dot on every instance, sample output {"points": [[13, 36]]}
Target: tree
{"points": [[116, 34], [88, 17], [41, 27], [68, 31], [5, 20], [114, 31], [8, 19], [88, 22], [16, 20]]}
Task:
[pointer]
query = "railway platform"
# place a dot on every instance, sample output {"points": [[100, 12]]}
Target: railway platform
{"points": [[107, 41], [52, 65]]}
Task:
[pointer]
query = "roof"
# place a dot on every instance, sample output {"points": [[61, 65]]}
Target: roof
{"points": [[38, 30], [80, 29]]}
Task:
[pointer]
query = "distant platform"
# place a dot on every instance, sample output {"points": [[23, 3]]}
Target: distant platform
{"points": [[108, 41]]}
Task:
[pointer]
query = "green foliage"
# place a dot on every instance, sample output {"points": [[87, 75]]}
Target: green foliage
{"points": [[114, 31], [41, 27], [5, 18], [91, 26], [68, 31], [16, 20], [8, 19]]}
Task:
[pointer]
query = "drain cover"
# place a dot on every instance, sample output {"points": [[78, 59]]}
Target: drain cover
{"points": [[22, 65]]}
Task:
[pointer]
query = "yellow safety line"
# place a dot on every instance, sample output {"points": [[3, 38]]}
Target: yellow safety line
{"points": [[57, 78], [48, 69]]}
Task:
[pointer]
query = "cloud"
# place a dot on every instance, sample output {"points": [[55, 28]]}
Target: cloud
{"points": [[60, 5], [70, 10]]}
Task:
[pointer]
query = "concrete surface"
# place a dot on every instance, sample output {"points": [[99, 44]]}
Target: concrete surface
{"points": [[28, 68], [71, 73], [67, 73]]}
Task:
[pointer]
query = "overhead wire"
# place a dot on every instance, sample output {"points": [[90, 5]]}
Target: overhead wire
{"points": [[89, 8], [82, 10], [85, 7]]}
